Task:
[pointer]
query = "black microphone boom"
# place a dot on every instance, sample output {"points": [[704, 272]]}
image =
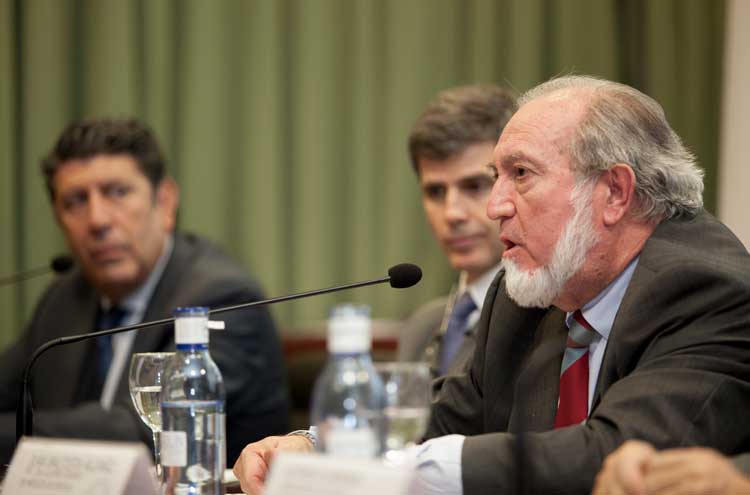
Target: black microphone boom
{"points": [[399, 276], [58, 264]]}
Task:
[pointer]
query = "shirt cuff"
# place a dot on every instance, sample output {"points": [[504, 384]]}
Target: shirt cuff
{"points": [[439, 465]]}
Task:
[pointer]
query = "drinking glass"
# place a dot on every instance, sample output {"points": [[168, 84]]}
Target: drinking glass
{"points": [[145, 380], [408, 393]]}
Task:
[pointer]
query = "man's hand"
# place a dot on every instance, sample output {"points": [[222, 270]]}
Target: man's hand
{"points": [[624, 470], [694, 471], [252, 466], [637, 469]]}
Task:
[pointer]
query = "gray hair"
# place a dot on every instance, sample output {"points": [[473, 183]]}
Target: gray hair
{"points": [[622, 125]]}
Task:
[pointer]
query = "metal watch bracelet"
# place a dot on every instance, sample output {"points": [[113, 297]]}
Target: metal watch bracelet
{"points": [[310, 434]]}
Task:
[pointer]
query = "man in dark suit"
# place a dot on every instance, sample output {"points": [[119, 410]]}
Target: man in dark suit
{"points": [[117, 209], [600, 211], [450, 146], [622, 311]]}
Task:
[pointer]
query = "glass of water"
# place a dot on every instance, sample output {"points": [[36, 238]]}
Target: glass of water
{"points": [[408, 394], [145, 381]]}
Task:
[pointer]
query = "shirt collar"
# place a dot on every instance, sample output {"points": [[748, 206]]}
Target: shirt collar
{"points": [[478, 289], [600, 312], [137, 301]]}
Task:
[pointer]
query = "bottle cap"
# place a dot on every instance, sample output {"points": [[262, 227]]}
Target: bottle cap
{"points": [[349, 329], [191, 325]]}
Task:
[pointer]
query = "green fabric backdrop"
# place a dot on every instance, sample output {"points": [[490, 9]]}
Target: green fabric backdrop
{"points": [[285, 121]]}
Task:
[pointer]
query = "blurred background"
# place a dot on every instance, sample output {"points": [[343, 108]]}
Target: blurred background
{"points": [[285, 121]]}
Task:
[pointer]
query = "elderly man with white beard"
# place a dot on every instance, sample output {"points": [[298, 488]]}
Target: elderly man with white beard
{"points": [[624, 311]]}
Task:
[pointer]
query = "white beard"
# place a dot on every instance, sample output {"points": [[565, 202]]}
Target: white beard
{"points": [[538, 288]]}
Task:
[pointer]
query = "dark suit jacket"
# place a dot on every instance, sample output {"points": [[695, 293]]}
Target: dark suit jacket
{"points": [[676, 370], [420, 338], [248, 354]]}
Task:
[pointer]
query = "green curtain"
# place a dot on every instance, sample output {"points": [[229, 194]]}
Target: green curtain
{"points": [[285, 121]]}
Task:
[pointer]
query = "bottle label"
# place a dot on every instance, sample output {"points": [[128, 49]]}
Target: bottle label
{"points": [[174, 448], [360, 443]]}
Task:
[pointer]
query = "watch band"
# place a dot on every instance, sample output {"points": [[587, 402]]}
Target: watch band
{"points": [[309, 434]]}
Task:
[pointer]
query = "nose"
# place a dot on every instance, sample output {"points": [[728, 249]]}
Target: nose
{"points": [[500, 205], [455, 208], [99, 214]]}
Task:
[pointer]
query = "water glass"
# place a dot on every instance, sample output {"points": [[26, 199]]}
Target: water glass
{"points": [[145, 381], [407, 410]]}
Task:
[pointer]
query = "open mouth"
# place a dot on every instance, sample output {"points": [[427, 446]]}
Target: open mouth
{"points": [[508, 244]]}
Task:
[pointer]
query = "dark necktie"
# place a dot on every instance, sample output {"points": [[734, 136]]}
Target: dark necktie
{"points": [[454, 333], [573, 405], [110, 318]]}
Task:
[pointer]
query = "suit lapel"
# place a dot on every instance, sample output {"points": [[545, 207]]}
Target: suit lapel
{"points": [[538, 384], [160, 306], [163, 300], [547, 359], [57, 375], [625, 339]]}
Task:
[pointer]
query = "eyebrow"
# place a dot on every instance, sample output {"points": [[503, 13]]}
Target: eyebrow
{"points": [[519, 156], [478, 176]]}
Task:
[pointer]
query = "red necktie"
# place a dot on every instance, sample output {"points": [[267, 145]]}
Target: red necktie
{"points": [[573, 406]]}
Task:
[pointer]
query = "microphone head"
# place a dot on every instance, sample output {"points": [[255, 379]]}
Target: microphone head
{"points": [[404, 275], [62, 263]]}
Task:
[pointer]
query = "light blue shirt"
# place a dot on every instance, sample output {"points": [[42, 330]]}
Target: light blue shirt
{"points": [[439, 459], [600, 312], [135, 304]]}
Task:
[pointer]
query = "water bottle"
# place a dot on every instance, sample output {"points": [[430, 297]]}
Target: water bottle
{"points": [[193, 438], [348, 397]]}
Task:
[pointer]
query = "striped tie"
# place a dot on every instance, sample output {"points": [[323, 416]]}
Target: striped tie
{"points": [[573, 406]]}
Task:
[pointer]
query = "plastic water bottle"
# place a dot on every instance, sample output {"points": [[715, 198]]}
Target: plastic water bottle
{"points": [[348, 398], [193, 438]]}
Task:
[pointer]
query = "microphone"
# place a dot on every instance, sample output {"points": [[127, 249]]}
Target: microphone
{"points": [[58, 264], [400, 276]]}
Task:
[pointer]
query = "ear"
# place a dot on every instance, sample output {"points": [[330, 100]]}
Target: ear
{"points": [[167, 200], [619, 185]]}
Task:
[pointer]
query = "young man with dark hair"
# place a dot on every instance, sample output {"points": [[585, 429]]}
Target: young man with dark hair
{"points": [[450, 147]]}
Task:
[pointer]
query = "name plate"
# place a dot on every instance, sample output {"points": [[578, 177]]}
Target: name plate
{"points": [[319, 474], [47, 466]]}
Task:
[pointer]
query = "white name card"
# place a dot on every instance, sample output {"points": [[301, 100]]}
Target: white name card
{"points": [[47, 466], [318, 474]]}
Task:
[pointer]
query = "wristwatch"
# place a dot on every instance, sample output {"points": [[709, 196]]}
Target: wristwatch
{"points": [[310, 434]]}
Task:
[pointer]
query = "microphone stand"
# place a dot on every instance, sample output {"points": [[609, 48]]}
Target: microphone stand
{"points": [[24, 412]]}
